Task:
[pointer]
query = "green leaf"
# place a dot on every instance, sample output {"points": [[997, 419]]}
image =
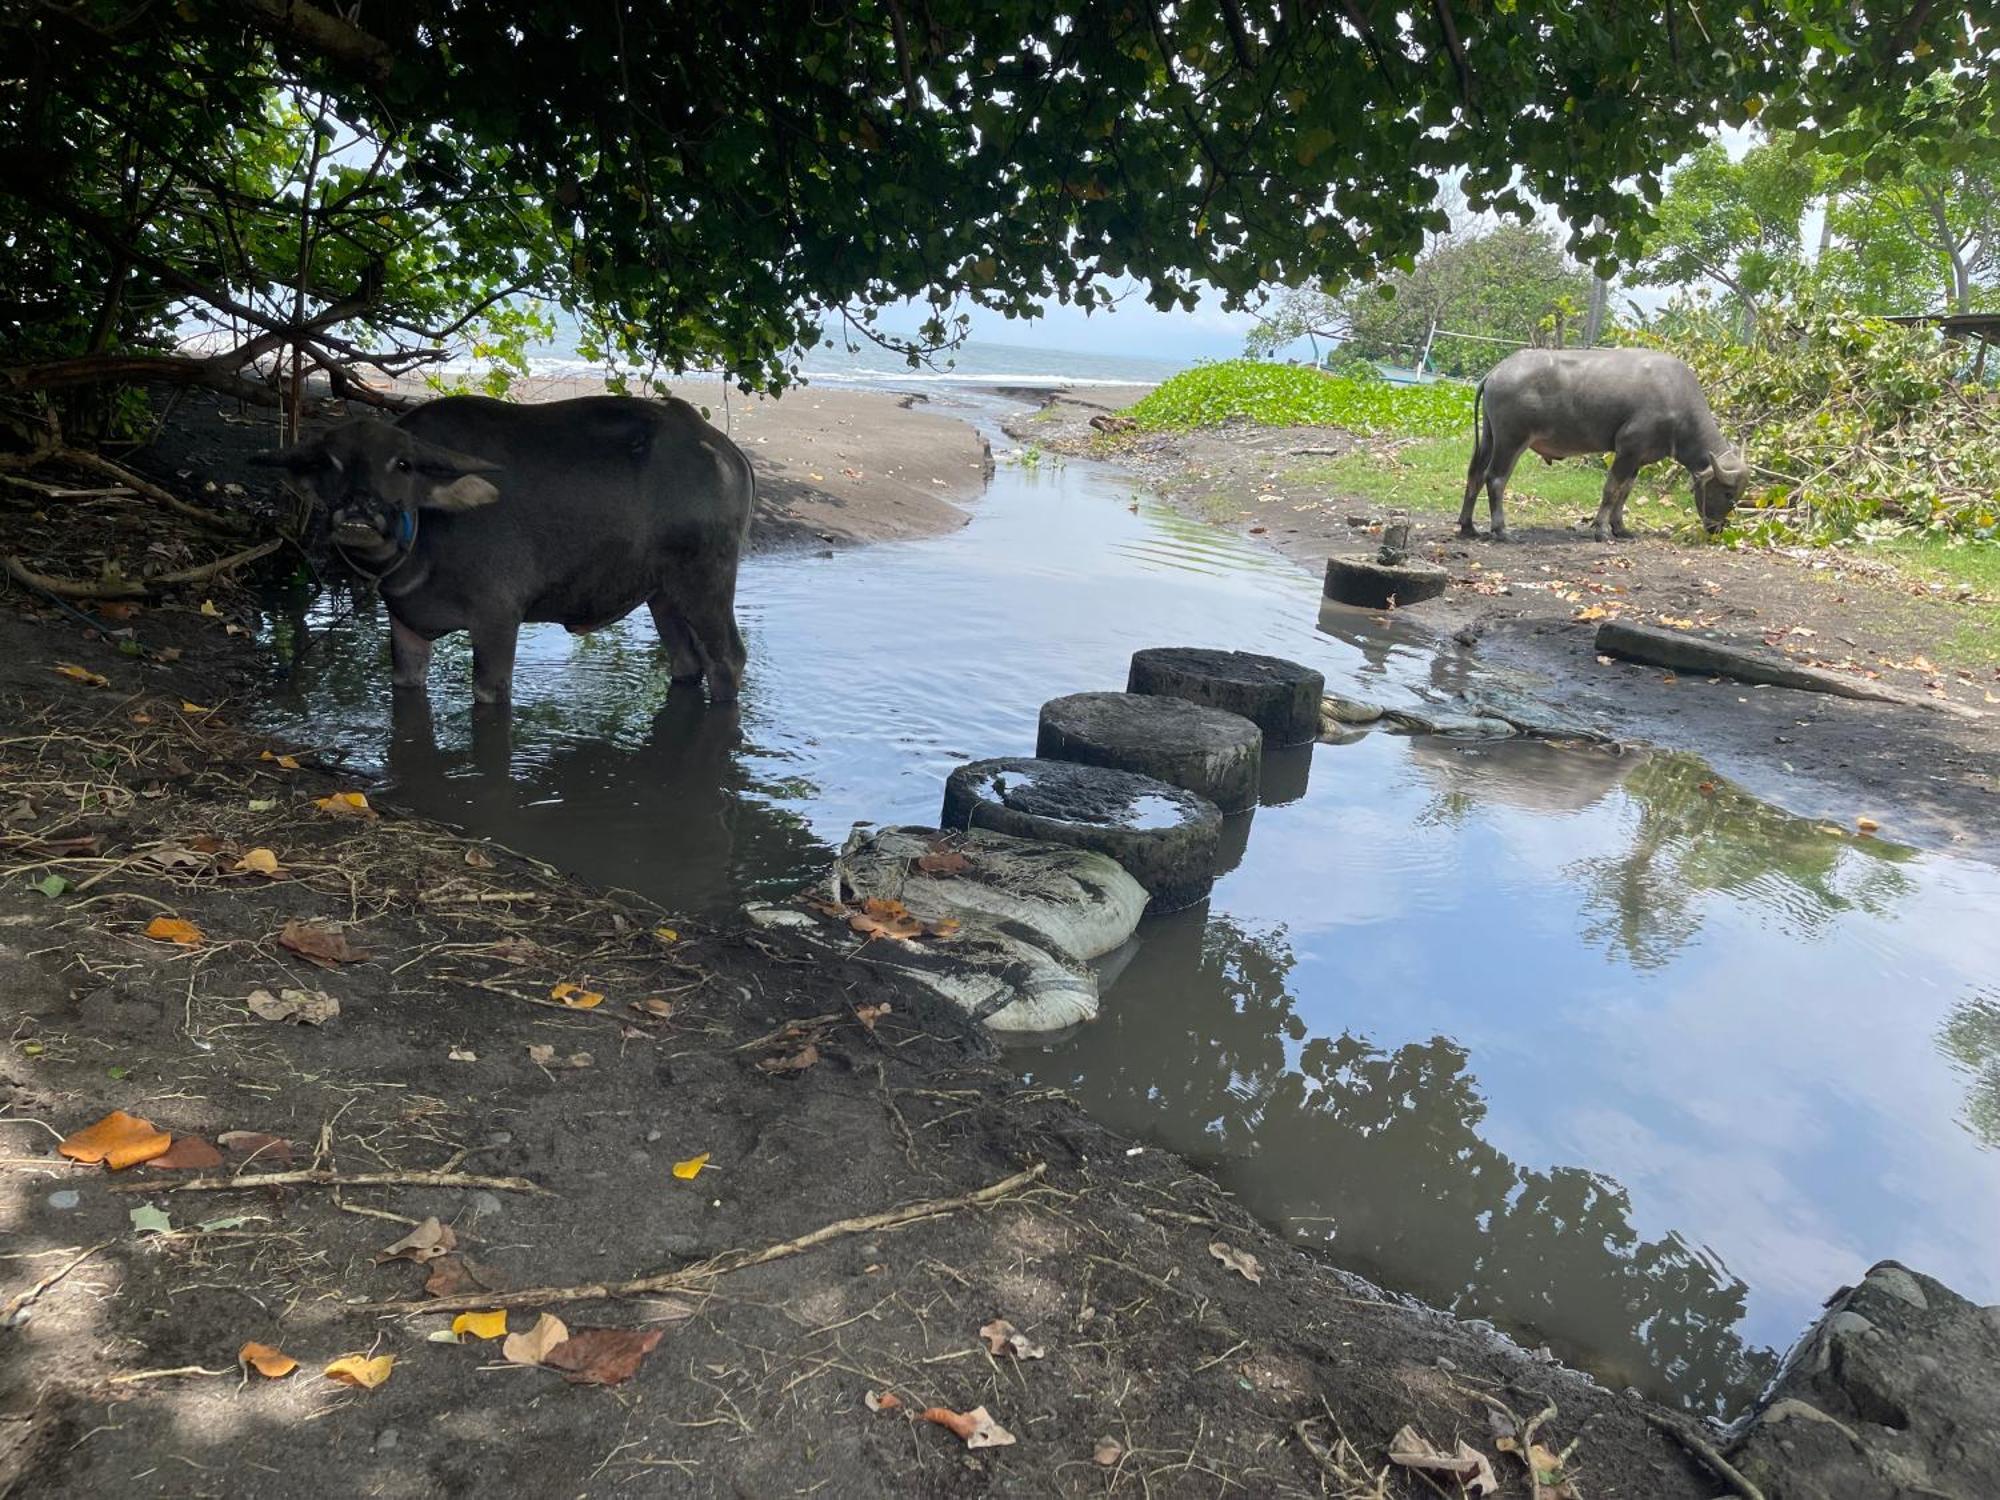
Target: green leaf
{"points": [[147, 1219], [51, 885]]}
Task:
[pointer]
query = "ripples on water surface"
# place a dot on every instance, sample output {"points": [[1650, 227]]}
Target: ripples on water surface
{"points": [[1551, 1037]]}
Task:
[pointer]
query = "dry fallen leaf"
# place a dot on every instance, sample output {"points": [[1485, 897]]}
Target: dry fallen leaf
{"points": [[481, 1325], [1466, 1463], [83, 674], [194, 708], [344, 805], [532, 1347], [666, 934], [792, 1062], [868, 1015], [690, 1169], [360, 1370], [323, 945], [118, 1140], [260, 862], [1107, 1452], [602, 1356], [307, 1007], [460, 1275], [653, 1005], [174, 930], [1003, 1337], [575, 996], [428, 1241], [879, 918], [943, 861], [1242, 1262], [976, 1428], [478, 858], [461, 1054], [253, 1145], [543, 1055], [887, 1401], [1866, 825], [189, 1153], [271, 1363], [282, 762]]}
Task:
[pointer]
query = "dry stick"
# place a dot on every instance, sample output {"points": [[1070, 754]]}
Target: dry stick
{"points": [[1527, 1450], [22, 1300], [694, 1277], [1724, 1470], [310, 1177], [137, 588]]}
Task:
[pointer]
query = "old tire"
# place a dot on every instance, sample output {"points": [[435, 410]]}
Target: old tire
{"points": [[1215, 754], [1280, 697], [1164, 836], [1368, 584]]}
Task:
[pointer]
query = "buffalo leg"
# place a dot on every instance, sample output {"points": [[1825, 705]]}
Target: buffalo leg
{"points": [[1499, 470], [683, 656], [493, 660], [1611, 508], [1475, 477], [722, 653], [409, 656]]}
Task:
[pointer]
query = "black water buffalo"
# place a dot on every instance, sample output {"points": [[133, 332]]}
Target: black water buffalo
{"points": [[477, 515], [1635, 404]]}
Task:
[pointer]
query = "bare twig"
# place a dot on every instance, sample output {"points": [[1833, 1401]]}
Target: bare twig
{"points": [[20, 1301], [1723, 1469], [138, 588], [309, 1177], [695, 1277]]}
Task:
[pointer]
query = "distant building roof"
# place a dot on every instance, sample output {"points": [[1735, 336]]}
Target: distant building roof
{"points": [[1980, 325]]}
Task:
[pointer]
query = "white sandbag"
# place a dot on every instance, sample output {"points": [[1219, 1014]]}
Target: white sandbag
{"points": [[1076, 903], [1005, 980]]}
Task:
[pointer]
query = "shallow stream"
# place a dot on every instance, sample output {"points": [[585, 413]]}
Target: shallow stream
{"points": [[1594, 1047]]}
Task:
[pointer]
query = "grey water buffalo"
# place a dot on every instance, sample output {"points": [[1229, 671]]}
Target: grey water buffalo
{"points": [[478, 515], [1638, 405]]}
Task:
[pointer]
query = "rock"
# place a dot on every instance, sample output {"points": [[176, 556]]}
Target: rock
{"points": [[1347, 711], [484, 1205], [387, 1440], [1361, 580], [1215, 754], [1891, 1394], [1280, 697], [1163, 836], [65, 1198], [1078, 903]]}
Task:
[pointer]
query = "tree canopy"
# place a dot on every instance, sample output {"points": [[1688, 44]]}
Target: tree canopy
{"points": [[711, 184]]}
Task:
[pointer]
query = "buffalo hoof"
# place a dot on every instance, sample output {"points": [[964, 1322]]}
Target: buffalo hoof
{"points": [[1370, 584], [1164, 836], [1280, 697], [1206, 750], [1467, 530]]}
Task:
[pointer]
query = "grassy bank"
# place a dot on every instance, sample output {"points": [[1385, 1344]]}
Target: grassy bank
{"points": [[1299, 396]]}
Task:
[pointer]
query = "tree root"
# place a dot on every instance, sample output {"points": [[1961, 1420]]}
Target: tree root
{"points": [[309, 1177], [137, 588], [1721, 1467], [695, 1277], [123, 478]]}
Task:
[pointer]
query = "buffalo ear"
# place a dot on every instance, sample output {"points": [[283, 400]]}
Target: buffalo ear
{"points": [[466, 492]]}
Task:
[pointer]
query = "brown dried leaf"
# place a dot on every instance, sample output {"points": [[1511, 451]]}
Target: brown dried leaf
{"points": [[887, 1401], [975, 1428], [1242, 1262], [543, 1055], [868, 1015], [1003, 1337], [460, 1276], [790, 1062], [1107, 1452], [941, 860], [602, 1356], [248, 1145], [189, 1153], [318, 943], [1466, 1463], [429, 1241], [307, 1007], [532, 1347]]}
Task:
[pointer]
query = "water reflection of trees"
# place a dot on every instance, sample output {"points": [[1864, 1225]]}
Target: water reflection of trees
{"points": [[1695, 836], [1379, 1151], [1970, 1038]]}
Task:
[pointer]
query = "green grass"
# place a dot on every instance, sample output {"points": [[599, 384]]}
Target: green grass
{"points": [[1430, 477], [1976, 639], [1299, 396]]}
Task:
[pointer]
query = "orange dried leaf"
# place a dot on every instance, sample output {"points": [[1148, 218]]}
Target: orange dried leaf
{"points": [[272, 1364], [975, 1428], [360, 1370], [886, 1401], [174, 930], [118, 1140], [575, 996]]}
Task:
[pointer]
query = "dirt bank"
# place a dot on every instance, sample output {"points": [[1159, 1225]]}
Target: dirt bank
{"points": [[802, 1098], [1532, 604]]}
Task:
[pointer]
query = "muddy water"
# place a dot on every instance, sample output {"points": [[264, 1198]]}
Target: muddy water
{"points": [[1592, 1047]]}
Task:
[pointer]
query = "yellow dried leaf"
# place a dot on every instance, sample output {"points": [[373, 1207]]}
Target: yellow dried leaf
{"points": [[359, 1369], [174, 930], [259, 862], [345, 805], [271, 1363], [690, 1169], [481, 1325], [118, 1140], [283, 762], [208, 608], [666, 934], [83, 674], [194, 708], [575, 996]]}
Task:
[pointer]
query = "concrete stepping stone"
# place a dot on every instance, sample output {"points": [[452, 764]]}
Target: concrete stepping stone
{"points": [[1280, 697], [1215, 754], [1365, 582], [1164, 836]]}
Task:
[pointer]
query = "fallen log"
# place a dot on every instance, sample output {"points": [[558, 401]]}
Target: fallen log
{"points": [[1684, 651], [136, 588]]}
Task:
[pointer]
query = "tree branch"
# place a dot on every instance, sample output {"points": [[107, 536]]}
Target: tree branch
{"points": [[323, 34]]}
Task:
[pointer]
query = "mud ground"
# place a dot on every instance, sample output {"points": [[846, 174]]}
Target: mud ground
{"points": [[1531, 605], [820, 1093]]}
